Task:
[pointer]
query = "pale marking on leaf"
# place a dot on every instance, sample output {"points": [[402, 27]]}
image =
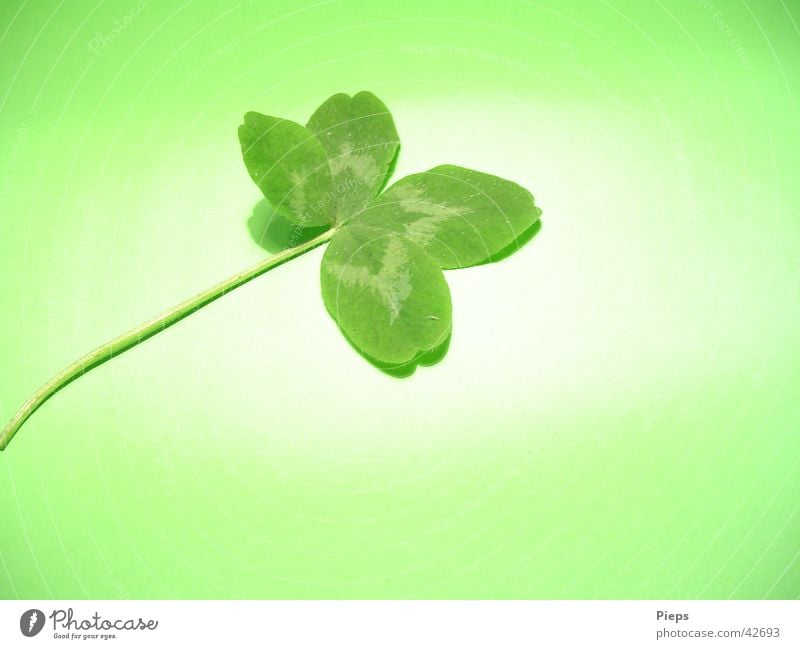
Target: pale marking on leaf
{"points": [[297, 202], [296, 176], [358, 165], [412, 200], [297, 197], [424, 229], [392, 284]]}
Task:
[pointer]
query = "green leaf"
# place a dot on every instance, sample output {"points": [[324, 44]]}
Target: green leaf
{"points": [[359, 136], [387, 295], [459, 216], [290, 166]]}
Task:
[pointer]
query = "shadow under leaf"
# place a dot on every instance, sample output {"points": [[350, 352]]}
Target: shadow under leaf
{"points": [[425, 359], [274, 232], [515, 245]]}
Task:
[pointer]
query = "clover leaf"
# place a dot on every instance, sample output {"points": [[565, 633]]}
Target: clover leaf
{"points": [[386, 293], [289, 164], [359, 136], [460, 217], [382, 275]]}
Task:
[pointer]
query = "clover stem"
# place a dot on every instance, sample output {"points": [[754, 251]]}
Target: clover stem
{"points": [[147, 329]]}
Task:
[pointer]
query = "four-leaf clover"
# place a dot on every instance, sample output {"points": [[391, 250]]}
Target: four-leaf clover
{"points": [[381, 275]]}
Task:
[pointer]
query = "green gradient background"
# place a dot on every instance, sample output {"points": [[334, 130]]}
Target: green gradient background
{"points": [[618, 413]]}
